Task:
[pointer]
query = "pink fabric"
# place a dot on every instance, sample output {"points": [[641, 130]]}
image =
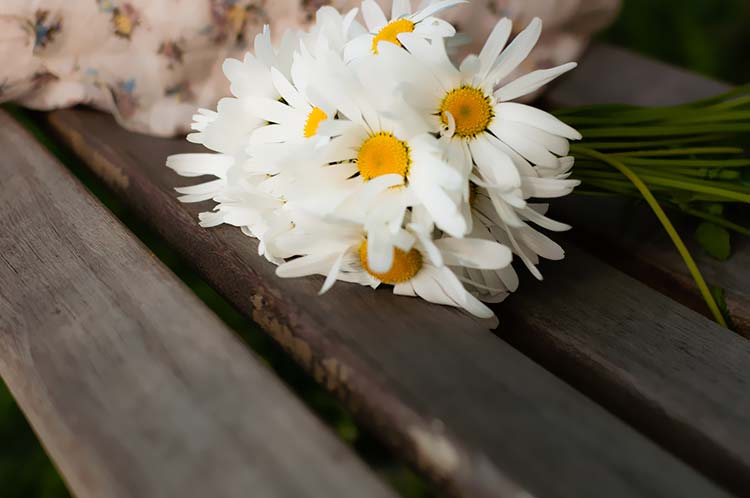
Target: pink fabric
{"points": [[151, 63]]}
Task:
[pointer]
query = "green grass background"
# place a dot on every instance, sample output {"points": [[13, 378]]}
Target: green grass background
{"points": [[711, 37]]}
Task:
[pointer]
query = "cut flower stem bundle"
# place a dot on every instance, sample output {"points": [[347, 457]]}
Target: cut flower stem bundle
{"points": [[691, 158]]}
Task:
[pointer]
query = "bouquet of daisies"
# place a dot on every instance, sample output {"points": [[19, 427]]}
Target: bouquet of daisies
{"points": [[363, 154]]}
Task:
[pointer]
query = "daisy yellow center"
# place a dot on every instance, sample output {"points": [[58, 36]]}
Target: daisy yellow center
{"points": [[316, 116], [391, 31], [470, 108], [383, 154], [405, 265]]}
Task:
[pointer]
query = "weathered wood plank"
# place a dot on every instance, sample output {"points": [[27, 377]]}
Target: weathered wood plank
{"points": [[461, 403], [626, 234], [672, 373], [135, 388]]}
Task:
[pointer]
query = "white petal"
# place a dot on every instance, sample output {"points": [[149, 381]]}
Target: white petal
{"points": [[520, 113], [403, 240], [248, 77], [335, 127], [541, 244], [287, 91], [523, 166], [203, 188], [496, 167], [358, 203], [474, 253], [263, 47], [494, 45], [426, 286], [548, 187], [404, 289], [199, 164], [509, 277], [332, 274], [433, 27], [544, 222], [529, 149], [516, 52], [434, 55], [374, 17], [443, 209], [316, 264], [454, 290], [428, 245], [400, 9], [358, 47], [553, 143], [469, 67], [434, 8], [202, 191], [273, 133], [526, 258], [271, 110], [212, 219], [532, 82], [379, 249]]}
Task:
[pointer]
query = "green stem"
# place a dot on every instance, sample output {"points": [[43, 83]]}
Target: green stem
{"points": [[687, 151], [732, 175], [686, 163], [665, 179], [652, 143], [708, 117], [731, 104], [715, 219], [667, 224], [662, 131]]}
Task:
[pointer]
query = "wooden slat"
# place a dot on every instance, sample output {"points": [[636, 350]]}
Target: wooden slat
{"points": [[135, 388], [672, 373], [629, 236], [453, 397]]}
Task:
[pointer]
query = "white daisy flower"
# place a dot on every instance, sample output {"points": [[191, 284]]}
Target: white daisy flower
{"points": [[293, 118], [332, 30], [239, 204], [500, 137], [513, 150], [397, 169], [380, 29], [339, 250], [525, 241], [228, 129], [387, 144]]}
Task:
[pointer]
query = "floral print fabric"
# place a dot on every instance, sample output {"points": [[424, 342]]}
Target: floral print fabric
{"points": [[152, 63]]}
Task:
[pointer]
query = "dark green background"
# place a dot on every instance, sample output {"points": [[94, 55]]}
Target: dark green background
{"points": [[711, 37]]}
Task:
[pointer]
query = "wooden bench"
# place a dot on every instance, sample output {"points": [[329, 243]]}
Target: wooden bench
{"points": [[595, 384]]}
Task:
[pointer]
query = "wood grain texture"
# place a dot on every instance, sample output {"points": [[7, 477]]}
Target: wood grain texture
{"points": [[461, 403], [135, 388], [628, 235], [672, 373]]}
